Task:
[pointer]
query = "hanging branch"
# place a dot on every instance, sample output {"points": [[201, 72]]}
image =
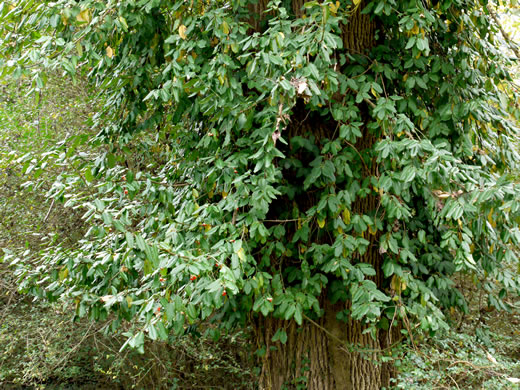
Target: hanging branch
{"points": [[512, 45]]}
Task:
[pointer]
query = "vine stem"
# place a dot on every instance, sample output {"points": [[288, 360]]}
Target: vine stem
{"points": [[343, 342]]}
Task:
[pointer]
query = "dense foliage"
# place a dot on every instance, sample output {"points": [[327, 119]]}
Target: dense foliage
{"points": [[41, 347], [216, 199]]}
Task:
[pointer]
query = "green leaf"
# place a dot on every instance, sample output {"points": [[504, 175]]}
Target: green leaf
{"points": [[111, 160], [129, 240], [280, 335], [88, 175], [298, 315], [161, 331]]}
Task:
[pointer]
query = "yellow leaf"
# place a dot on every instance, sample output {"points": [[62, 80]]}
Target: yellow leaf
{"points": [[334, 7], [64, 273], [225, 27], [241, 254], [490, 218], [321, 223], [224, 194], [346, 216], [395, 283], [83, 16], [129, 301], [372, 230], [110, 52], [182, 31], [123, 22], [79, 49], [415, 30], [356, 2], [207, 227]]}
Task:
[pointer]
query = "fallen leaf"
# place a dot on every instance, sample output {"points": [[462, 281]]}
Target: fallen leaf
{"points": [[491, 358]]}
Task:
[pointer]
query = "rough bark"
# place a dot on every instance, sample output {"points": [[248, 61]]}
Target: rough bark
{"points": [[317, 355]]}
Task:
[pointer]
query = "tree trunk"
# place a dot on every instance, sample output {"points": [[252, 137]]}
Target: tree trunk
{"points": [[317, 355]]}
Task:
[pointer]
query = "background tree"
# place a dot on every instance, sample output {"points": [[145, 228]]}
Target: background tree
{"points": [[318, 170]]}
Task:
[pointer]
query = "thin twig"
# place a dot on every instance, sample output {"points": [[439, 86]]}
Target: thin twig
{"points": [[49, 212], [281, 220]]}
